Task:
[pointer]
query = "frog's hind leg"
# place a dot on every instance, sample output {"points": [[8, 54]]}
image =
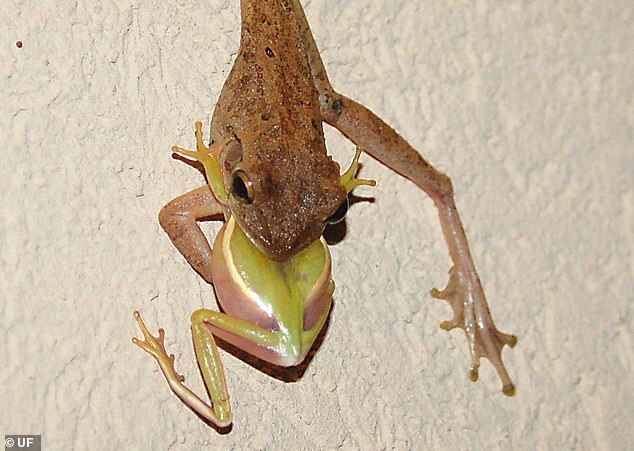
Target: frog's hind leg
{"points": [[256, 340], [219, 412], [276, 347], [374, 136], [464, 292]]}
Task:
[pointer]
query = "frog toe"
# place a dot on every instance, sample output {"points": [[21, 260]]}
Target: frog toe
{"points": [[155, 346], [471, 313]]}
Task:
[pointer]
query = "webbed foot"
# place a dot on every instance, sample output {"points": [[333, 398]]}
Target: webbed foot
{"points": [[471, 313]]}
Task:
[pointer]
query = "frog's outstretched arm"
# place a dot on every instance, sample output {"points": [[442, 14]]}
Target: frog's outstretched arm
{"points": [[464, 291]]}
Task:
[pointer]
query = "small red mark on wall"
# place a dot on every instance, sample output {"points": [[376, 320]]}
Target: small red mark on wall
{"points": [[18, 44]]}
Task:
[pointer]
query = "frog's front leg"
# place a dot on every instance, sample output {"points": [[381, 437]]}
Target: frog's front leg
{"points": [[464, 291]]}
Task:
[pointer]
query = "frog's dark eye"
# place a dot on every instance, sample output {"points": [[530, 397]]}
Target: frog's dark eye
{"points": [[242, 187], [339, 214]]}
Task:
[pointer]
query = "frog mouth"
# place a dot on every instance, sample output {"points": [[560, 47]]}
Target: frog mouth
{"points": [[280, 250]]}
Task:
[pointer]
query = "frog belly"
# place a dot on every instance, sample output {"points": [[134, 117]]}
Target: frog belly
{"points": [[290, 296]]}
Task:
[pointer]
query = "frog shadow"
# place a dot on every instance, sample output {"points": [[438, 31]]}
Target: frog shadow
{"points": [[335, 233]]}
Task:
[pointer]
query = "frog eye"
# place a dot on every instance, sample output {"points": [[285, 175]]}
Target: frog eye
{"points": [[242, 187], [339, 214]]}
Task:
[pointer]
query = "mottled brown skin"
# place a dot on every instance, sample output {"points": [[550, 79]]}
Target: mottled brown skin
{"points": [[268, 124], [271, 107]]}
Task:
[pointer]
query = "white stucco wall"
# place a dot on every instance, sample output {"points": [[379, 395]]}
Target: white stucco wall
{"points": [[528, 105]]}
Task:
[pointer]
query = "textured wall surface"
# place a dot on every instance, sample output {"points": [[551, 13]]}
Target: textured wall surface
{"points": [[528, 105]]}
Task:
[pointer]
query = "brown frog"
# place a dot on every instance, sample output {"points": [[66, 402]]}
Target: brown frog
{"points": [[270, 177]]}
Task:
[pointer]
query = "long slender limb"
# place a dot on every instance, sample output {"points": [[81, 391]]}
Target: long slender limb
{"points": [[266, 344], [179, 219], [220, 413], [365, 128], [238, 327], [273, 346], [464, 291]]}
